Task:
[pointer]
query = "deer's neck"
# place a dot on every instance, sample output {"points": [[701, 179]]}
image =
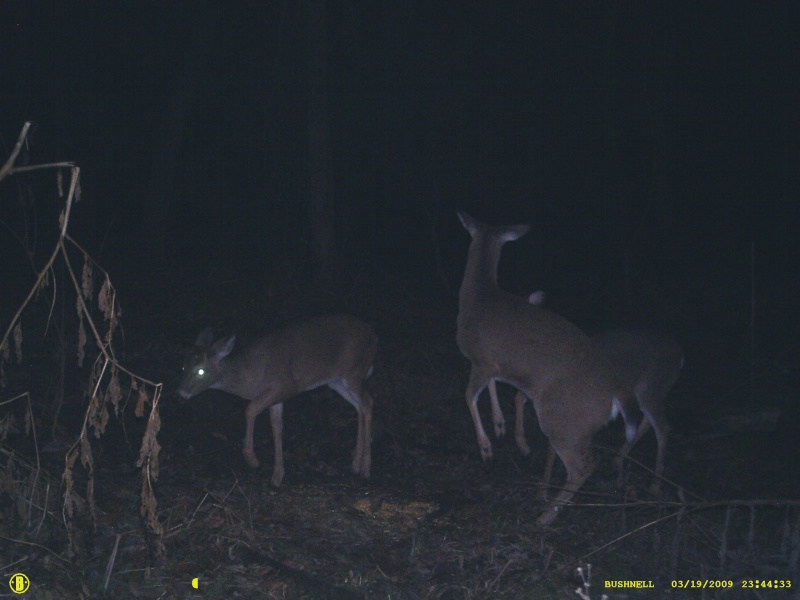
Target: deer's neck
{"points": [[480, 275], [232, 378]]}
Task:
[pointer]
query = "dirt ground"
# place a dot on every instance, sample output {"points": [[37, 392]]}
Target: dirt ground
{"points": [[432, 522]]}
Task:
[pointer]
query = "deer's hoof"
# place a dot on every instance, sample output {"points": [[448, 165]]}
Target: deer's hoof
{"points": [[486, 453], [250, 458], [547, 517]]}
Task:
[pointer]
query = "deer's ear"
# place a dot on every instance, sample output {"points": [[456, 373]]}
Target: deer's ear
{"points": [[513, 232], [223, 347], [537, 298], [469, 222]]}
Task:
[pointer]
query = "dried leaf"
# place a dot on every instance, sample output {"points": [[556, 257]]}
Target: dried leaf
{"points": [[97, 370], [102, 297], [86, 453], [92, 410], [154, 460], [112, 325], [100, 427], [114, 391], [18, 342], [60, 183], [111, 310], [148, 461], [69, 499], [149, 441], [90, 500], [86, 278], [97, 414], [87, 460], [6, 425], [141, 401], [81, 342]]}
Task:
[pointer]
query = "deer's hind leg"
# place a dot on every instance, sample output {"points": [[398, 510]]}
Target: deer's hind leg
{"points": [[355, 392], [579, 461]]}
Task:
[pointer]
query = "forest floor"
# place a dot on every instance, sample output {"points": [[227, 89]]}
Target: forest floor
{"points": [[432, 522]]}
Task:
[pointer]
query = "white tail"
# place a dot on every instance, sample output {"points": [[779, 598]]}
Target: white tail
{"points": [[573, 389], [645, 362], [336, 351]]}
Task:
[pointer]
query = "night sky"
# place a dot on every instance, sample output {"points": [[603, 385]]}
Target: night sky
{"points": [[652, 146]]}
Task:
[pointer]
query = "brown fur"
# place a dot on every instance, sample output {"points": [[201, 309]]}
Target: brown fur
{"points": [[573, 388]]}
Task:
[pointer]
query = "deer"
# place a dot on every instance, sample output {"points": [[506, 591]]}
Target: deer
{"points": [[648, 363], [571, 385], [334, 351]]}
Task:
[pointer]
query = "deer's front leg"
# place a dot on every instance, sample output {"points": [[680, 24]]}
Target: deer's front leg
{"points": [[497, 414], [544, 485], [519, 424], [276, 420], [474, 388], [255, 408], [362, 461]]}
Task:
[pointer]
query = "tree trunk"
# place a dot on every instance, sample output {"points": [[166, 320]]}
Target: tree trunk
{"points": [[325, 260], [158, 199]]}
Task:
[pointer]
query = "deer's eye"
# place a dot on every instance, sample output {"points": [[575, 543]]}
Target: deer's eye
{"points": [[201, 371]]}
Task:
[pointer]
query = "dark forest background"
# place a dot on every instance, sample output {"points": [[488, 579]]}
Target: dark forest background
{"points": [[652, 146]]}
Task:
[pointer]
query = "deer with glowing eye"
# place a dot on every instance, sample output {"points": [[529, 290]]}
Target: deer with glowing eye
{"points": [[336, 351]]}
